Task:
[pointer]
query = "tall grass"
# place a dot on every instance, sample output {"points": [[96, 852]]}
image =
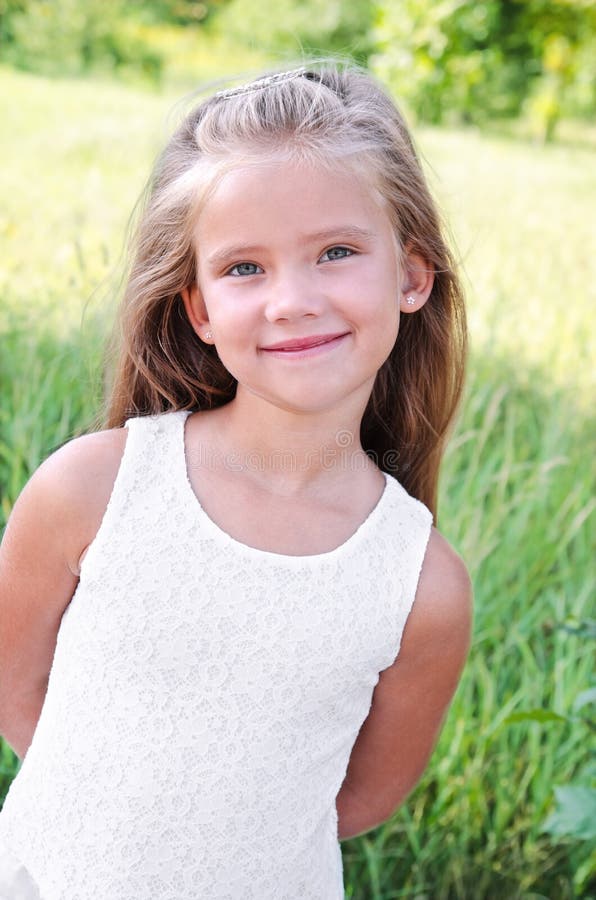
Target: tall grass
{"points": [[517, 496]]}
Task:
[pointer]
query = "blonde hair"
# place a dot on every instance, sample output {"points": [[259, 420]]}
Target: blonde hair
{"points": [[322, 115]]}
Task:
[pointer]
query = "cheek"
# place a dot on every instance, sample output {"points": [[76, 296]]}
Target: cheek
{"points": [[385, 314], [378, 302], [225, 309], [387, 334]]}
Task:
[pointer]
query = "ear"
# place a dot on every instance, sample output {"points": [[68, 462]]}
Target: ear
{"points": [[417, 282], [197, 312]]}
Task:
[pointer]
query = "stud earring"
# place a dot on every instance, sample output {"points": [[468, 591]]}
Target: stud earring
{"points": [[410, 300], [208, 335]]}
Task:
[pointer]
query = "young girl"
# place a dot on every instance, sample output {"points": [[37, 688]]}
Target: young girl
{"points": [[211, 658]]}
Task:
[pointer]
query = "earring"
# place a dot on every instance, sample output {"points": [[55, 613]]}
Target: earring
{"points": [[208, 335], [410, 300]]}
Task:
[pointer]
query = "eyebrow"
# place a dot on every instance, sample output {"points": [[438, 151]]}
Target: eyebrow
{"points": [[342, 231]]}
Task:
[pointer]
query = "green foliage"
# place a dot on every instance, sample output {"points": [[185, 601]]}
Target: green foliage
{"points": [[155, 45], [287, 28], [575, 813], [468, 61], [175, 12], [451, 61], [535, 715], [473, 828], [59, 37], [41, 410], [9, 766], [517, 487], [9, 9]]}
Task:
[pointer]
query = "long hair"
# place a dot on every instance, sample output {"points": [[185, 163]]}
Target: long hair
{"points": [[324, 114]]}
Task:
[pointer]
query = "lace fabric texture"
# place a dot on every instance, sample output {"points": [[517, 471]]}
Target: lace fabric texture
{"points": [[205, 696], [15, 881]]}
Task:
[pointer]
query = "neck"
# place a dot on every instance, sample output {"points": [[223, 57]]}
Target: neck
{"points": [[289, 451]]}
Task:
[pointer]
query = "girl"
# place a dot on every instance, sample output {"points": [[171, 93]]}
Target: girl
{"points": [[205, 661]]}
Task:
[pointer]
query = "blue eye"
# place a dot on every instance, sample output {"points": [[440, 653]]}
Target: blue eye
{"points": [[243, 269], [337, 253]]}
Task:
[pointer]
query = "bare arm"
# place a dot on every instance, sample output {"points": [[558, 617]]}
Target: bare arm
{"points": [[54, 518], [412, 696]]}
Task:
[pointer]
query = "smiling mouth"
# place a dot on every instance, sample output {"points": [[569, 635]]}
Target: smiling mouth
{"points": [[301, 344]]}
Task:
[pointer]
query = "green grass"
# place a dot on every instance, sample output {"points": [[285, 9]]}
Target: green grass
{"points": [[517, 496]]}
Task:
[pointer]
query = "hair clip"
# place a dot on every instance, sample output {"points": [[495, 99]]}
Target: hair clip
{"points": [[260, 83]]}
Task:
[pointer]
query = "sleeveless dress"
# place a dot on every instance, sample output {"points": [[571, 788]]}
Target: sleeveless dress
{"points": [[204, 697]]}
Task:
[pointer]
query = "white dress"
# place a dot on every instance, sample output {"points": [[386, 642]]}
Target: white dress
{"points": [[16, 882], [205, 696]]}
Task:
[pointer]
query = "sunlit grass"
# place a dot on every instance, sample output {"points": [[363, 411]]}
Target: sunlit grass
{"points": [[517, 497], [524, 221]]}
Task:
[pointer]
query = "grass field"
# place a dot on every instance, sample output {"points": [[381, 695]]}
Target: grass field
{"points": [[517, 495]]}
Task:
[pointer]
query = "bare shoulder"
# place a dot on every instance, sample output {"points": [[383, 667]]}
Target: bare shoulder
{"points": [[422, 679], [54, 519], [439, 625], [413, 694], [72, 487], [444, 587], [87, 456]]}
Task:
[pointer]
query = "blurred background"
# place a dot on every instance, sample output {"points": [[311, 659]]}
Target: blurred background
{"points": [[501, 96]]}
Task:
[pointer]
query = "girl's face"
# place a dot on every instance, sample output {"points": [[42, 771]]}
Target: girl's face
{"points": [[298, 282]]}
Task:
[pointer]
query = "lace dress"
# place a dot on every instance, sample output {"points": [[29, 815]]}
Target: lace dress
{"points": [[205, 696]]}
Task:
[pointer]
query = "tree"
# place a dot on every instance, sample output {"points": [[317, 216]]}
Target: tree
{"points": [[472, 61]]}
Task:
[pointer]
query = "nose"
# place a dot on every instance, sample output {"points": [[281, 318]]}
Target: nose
{"points": [[292, 294]]}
